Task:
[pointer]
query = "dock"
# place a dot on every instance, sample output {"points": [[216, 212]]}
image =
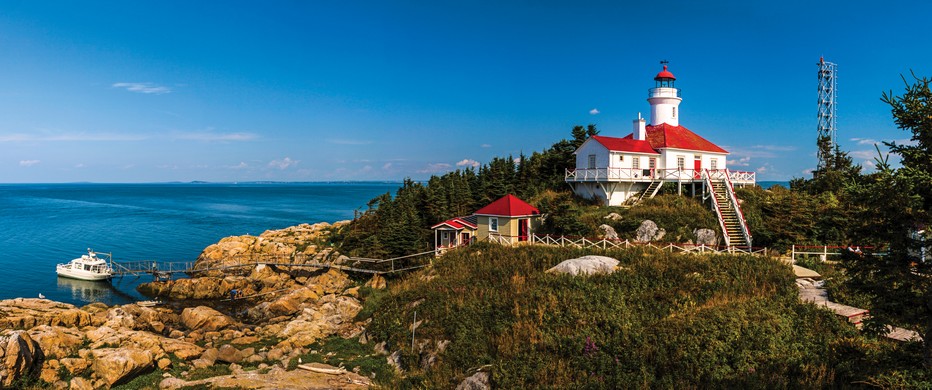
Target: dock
{"points": [[166, 270]]}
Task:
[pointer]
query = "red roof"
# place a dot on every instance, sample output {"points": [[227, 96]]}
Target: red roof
{"points": [[664, 74], [457, 223], [627, 144], [679, 137], [508, 206]]}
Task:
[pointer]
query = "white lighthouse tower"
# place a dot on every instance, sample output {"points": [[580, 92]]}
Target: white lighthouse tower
{"points": [[664, 99]]}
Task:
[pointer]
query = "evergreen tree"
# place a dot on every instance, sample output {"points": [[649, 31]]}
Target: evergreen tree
{"points": [[898, 209]]}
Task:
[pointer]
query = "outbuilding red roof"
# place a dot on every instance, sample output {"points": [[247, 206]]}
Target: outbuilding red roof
{"points": [[627, 144], [508, 206], [457, 223]]}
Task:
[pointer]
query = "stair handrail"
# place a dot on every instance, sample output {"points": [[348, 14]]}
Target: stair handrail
{"points": [[734, 200], [718, 210]]}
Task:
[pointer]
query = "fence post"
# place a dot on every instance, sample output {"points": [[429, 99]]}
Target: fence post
{"points": [[824, 253], [793, 254]]}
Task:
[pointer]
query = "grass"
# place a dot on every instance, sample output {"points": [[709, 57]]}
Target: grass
{"points": [[664, 320]]}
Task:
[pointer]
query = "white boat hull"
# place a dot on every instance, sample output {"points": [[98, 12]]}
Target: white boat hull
{"points": [[82, 275]]}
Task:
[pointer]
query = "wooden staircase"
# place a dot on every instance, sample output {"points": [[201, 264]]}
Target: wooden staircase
{"points": [[650, 191], [732, 222]]}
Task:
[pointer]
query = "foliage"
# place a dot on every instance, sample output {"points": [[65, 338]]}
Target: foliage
{"points": [[898, 204], [779, 218], [662, 320]]}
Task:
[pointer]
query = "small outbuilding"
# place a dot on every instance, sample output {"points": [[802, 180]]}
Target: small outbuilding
{"points": [[508, 220]]}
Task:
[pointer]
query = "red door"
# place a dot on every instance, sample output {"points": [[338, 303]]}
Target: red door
{"points": [[522, 229], [697, 168]]}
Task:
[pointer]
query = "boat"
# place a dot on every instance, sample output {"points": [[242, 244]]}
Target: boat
{"points": [[148, 303], [86, 267]]}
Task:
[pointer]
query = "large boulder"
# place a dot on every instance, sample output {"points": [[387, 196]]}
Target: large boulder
{"points": [[608, 232], [203, 318], [586, 265], [477, 381], [20, 356], [57, 342], [706, 237], [119, 365], [649, 231]]}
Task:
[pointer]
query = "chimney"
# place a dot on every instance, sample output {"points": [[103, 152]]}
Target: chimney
{"points": [[640, 131]]}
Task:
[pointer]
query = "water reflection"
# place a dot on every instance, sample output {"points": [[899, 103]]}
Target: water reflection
{"points": [[92, 291]]}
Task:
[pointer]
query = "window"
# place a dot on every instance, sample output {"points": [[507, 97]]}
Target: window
{"points": [[621, 157], [652, 163], [674, 112], [714, 163], [681, 162], [636, 163], [591, 161], [493, 224]]}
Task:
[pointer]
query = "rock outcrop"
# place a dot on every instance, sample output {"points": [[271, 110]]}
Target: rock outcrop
{"points": [[608, 232], [706, 237], [203, 318], [296, 242], [649, 231], [20, 356]]}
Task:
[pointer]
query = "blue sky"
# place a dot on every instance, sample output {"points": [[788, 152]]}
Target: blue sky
{"points": [[317, 91]]}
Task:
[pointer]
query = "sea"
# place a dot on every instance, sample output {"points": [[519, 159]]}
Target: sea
{"points": [[42, 225]]}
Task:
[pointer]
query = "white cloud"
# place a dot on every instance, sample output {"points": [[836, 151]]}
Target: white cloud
{"points": [[864, 141], [808, 171], [28, 163], [241, 165], [346, 141], [775, 148], [863, 154], [387, 166], [79, 165], [594, 111], [283, 163], [468, 163], [741, 162], [762, 169], [147, 88], [435, 168], [485, 146]]}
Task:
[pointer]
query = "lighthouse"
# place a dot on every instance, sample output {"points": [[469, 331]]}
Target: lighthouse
{"points": [[664, 99]]}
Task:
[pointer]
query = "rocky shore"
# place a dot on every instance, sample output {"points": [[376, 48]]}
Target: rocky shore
{"points": [[255, 341]]}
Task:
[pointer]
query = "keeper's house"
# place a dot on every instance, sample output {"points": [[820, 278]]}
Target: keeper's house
{"points": [[616, 169]]}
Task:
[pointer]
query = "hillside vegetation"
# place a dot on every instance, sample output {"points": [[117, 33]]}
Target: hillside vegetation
{"points": [[661, 320]]}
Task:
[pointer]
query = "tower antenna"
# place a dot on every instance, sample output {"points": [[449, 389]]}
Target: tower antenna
{"points": [[826, 127]]}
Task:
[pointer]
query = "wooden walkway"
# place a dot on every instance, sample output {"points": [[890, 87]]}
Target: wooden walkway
{"points": [[167, 269], [811, 290]]}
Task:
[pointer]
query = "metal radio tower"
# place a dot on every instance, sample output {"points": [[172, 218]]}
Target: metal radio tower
{"points": [[827, 79]]}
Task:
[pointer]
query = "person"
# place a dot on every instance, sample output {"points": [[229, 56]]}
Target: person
{"points": [[233, 294]]}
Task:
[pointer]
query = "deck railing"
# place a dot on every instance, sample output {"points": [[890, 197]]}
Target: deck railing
{"points": [[646, 175]]}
